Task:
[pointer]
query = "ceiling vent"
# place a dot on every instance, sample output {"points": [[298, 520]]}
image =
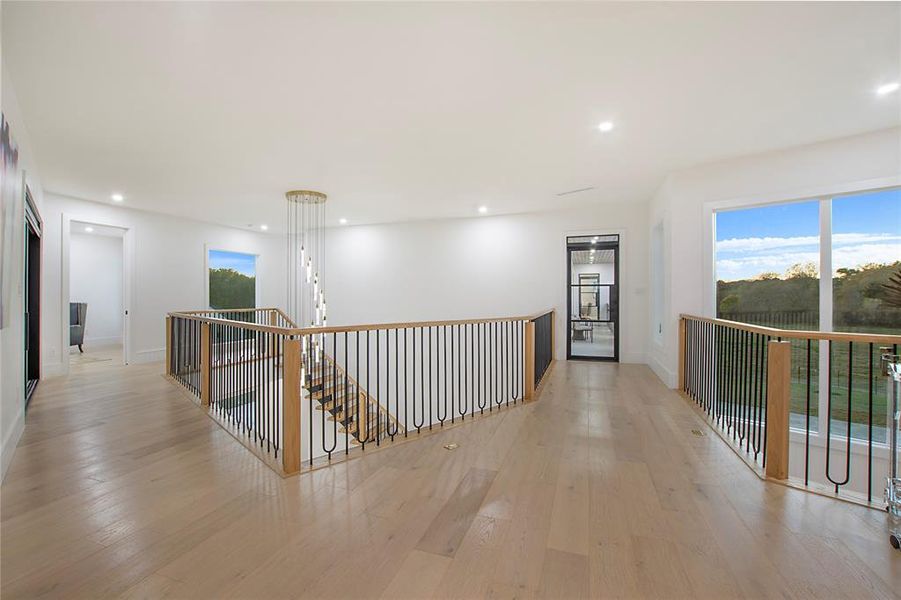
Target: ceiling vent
{"points": [[585, 189]]}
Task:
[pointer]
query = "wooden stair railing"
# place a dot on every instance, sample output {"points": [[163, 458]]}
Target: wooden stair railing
{"points": [[258, 375], [803, 408]]}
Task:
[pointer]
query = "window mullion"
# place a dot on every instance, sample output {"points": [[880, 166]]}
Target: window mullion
{"points": [[825, 304]]}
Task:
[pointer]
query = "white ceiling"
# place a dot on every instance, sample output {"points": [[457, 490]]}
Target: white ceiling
{"points": [[413, 111], [81, 227]]}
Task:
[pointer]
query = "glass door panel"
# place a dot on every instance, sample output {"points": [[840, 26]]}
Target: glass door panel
{"points": [[593, 306]]}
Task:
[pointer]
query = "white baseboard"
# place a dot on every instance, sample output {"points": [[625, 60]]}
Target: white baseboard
{"points": [[666, 375], [634, 359], [52, 370], [152, 355], [8, 448], [103, 341]]}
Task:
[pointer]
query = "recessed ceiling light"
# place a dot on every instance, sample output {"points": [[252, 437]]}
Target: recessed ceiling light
{"points": [[483, 209], [89, 229], [343, 221], [888, 88], [605, 126], [264, 227], [117, 197]]}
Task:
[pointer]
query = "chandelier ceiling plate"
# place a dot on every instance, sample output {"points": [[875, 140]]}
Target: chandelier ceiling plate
{"points": [[306, 197]]}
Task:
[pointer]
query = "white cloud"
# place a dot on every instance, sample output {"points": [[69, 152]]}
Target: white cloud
{"points": [[748, 257], [758, 244]]}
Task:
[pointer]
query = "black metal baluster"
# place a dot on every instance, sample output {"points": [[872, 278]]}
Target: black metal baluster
{"points": [[480, 377], [347, 408], [406, 400], [451, 373], [431, 417], [838, 484], [807, 422], [396, 391], [870, 424]]}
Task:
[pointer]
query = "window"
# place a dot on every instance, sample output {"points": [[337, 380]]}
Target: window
{"points": [[232, 279], [866, 252], [768, 273], [767, 265]]}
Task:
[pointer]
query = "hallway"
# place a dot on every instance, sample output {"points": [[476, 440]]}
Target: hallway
{"points": [[121, 487]]}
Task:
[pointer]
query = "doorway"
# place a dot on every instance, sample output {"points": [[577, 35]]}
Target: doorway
{"points": [[33, 232], [592, 297], [96, 302]]}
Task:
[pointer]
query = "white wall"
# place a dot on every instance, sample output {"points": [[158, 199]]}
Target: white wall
{"points": [[12, 366], [95, 277], [683, 202], [481, 267], [167, 257]]}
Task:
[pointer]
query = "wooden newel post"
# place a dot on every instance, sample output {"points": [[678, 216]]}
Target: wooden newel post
{"points": [[681, 354], [291, 406], [168, 345], [778, 381], [529, 358], [206, 366]]}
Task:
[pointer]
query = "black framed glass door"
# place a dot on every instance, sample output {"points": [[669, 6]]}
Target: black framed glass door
{"points": [[592, 331]]}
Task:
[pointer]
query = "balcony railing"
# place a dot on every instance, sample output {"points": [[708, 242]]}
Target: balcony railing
{"points": [[303, 397], [809, 408]]}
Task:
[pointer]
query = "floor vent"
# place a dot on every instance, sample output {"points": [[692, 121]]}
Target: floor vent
{"points": [[697, 432]]}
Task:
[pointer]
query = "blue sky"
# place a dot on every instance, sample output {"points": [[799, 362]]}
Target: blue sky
{"points": [[866, 228], [242, 263]]}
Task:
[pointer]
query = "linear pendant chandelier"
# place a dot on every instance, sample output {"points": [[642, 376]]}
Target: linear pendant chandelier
{"points": [[306, 257]]}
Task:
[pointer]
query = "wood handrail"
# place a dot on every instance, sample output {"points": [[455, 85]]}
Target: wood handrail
{"points": [[296, 331], [218, 310], [795, 334]]}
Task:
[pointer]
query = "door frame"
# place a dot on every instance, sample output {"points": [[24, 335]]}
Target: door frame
{"points": [[616, 316], [128, 254], [34, 221]]}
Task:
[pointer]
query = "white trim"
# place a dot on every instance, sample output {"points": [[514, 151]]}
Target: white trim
{"points": [[11, 442], [825, 307], [151, 355], [108, 340], [621, 284], [207, 248], [667, 376], [825, 195], [128, 265], [798, 195]]}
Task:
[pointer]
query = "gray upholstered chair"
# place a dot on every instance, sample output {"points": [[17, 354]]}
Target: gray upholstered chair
{"points": [[78, 312]]}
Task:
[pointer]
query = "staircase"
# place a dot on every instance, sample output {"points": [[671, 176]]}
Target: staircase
{"points": [[346, 404]]}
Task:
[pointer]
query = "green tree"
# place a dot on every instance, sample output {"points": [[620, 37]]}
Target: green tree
{"points": [[231, 289], [729, 304]]}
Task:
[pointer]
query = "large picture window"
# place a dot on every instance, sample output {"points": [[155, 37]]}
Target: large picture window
{"points": [[822, 264], [232, 279]]}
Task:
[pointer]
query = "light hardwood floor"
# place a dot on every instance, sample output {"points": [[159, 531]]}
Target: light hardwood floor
{"points": [[121, 487]]}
